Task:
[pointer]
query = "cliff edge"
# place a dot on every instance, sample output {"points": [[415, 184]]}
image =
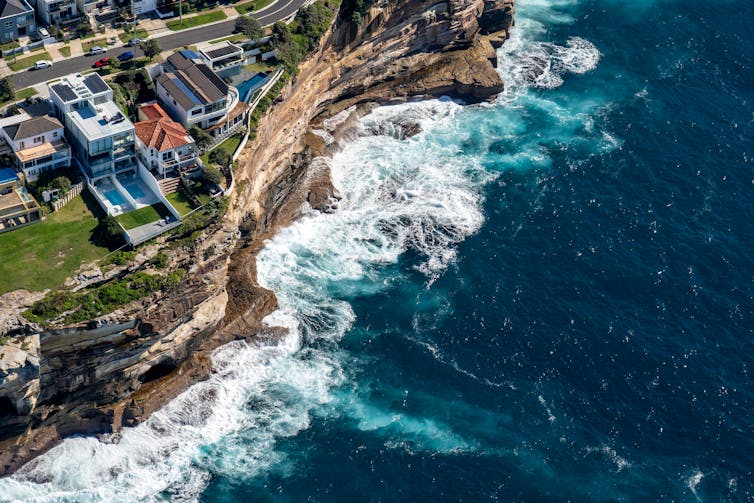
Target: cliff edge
{"points": [[115, 372]]}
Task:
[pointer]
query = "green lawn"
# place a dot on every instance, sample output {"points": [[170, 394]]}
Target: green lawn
{"points": [[65, 51], [245, 8], [236, 37], [43, 255], [260, 67], [198, 20], [230, 144], [143, 216], [8, 45], [22, 64], [180, 202], [140, 33], [20, 95], [102, 42]]}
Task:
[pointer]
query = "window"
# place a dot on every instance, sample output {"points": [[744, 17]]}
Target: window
{"points": [[21, 145], [54, 134], [39, 139], [167, 155], [9, 24]]}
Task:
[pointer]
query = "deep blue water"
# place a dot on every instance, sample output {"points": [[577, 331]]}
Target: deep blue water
{"points": [[549, 298]]}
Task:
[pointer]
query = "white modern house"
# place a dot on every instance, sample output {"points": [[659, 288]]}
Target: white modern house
{"points": [[38, 145], [195, 96], [222, 55], [163, 145], [55, 11], [104, 146]]}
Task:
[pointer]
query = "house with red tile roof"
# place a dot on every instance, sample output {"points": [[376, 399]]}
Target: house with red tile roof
{"points": [[164, 145]]}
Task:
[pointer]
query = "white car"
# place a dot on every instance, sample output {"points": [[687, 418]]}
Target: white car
{"points": [[97, 50], [43, 33], [42, 63]]}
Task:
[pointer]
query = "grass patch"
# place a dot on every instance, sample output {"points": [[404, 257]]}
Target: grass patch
{"points": [[245, 8], [140, 33], [65, 51], [102, 42], [236, 37], [260, 67], [43, 255], [229, 144], [22, 64], [180, 202], [9, 45], [143, 216], [198, 20], [27, 92]]}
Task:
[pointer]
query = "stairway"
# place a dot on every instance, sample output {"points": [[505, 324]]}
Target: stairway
{"points": [[169, 185]]}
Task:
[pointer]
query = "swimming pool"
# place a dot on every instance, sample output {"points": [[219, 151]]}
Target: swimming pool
{"points": [[115, 198], [250, 85], [133, 188]]}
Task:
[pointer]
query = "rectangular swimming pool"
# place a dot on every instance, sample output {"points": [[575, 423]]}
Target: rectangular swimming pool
{"points": [[115, 198], [133, 188]]}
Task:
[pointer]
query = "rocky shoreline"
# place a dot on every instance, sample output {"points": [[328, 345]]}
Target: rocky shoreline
{"points": [[114, 373]]}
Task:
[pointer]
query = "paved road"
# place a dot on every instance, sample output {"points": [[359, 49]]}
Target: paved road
{"points": [[275, 12]]}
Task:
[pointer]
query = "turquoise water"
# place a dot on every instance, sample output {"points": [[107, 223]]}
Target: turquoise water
{"points": [[547, 298], [133, 189], [252, 84], [115, 197]]}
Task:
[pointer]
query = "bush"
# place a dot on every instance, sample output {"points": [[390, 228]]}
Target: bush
{"points": [[62, 184], [7, 90], [151, 48], [109, 232], [213, 176], [202, 138], [220, 156], [159, 261], [120, 258]]}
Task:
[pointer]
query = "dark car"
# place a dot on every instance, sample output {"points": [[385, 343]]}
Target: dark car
{"points": [[102, 62], [126, 56]]}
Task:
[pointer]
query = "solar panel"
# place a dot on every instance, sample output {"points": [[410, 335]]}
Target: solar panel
{"points": [[222, 51], [65, 92], [95, 83]]}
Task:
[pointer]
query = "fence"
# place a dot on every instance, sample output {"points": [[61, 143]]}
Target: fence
{"points": [[75, 191], [22, 49]]}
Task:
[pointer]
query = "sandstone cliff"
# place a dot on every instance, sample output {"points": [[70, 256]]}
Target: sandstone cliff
{"points": [[99, 378]]}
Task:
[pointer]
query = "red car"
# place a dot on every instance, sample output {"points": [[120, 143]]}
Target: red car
{"points": [[102, 62]]}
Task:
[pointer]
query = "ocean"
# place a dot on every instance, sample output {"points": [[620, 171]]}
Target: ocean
{"points": [[545, 298]]}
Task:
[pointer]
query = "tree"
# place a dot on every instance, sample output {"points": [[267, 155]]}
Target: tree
{"points": [[151, 48], [14, 109], [220, 156], [61, 183], [249, 26], [7, 90], [281, 34], [109, 232], [213, 175], [202, 138]]}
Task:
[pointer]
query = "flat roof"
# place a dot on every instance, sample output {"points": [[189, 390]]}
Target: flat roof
{"points": [[41, 150], [76, 86], [226, 48], [101, 122]]}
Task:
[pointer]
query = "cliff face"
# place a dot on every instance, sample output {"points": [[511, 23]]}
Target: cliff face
{"points": [[99, 378]]}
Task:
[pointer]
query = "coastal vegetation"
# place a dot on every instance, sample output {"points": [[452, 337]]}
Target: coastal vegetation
{"points": [[75, 307]]}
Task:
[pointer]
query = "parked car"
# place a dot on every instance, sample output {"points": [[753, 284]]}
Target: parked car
{"points": [[96, 50], [134, 42], [102, 62], [126, 56], [42, 63], [43, 33]]}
